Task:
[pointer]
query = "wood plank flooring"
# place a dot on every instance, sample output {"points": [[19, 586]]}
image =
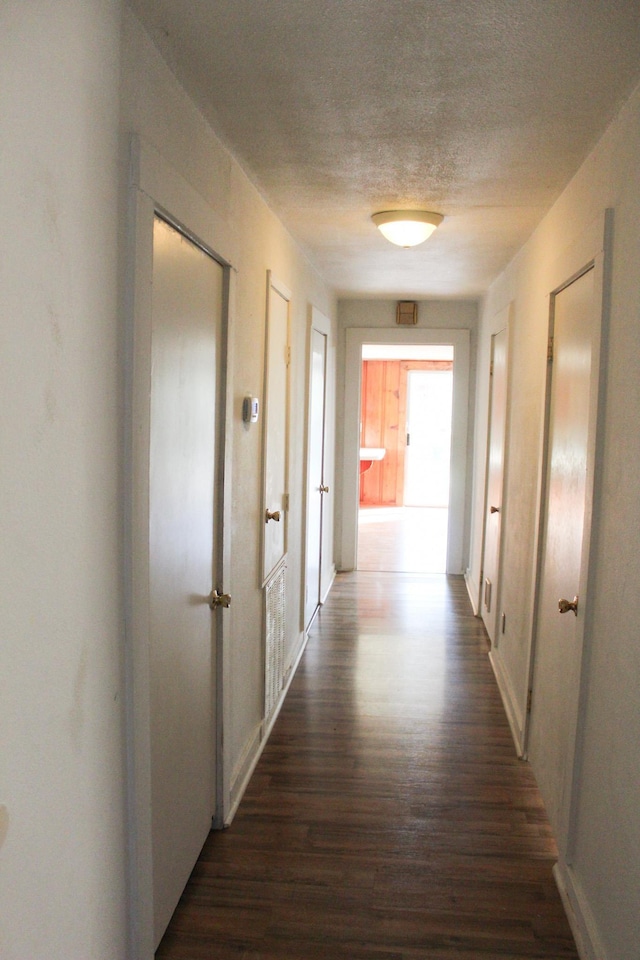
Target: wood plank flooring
{"points": [[402, 539], [388, 818]]}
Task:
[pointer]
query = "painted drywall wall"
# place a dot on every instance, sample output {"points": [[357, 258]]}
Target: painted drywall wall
{"points": [[250, 237], [436, 314], [381, 314], [63, 186], [602, 881], [62, 892]]}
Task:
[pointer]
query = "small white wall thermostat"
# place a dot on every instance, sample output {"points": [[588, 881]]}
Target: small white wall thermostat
{"points": [[250, 409]]}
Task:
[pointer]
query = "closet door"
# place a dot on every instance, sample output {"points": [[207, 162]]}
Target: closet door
{"points": [[276, 428], [185, 337]]}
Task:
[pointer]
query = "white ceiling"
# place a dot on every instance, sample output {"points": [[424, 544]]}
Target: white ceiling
{"points": [[478, 109]]}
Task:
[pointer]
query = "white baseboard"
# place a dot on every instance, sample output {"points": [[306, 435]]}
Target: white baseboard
{"points": [[332, 576], [473, 590], [581, 920], [242, 772], [509, 702], [245, 768], [268, 725]]}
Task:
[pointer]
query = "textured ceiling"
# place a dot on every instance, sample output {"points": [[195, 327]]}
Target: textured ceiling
{"points": [[478, 109]]}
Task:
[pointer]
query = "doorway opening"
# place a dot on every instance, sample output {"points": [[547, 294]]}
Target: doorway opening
{"points": [[458, 340], [405, 457]]}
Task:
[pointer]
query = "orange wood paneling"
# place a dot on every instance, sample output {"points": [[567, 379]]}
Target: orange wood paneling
{"points": [[371, 426], [381, 427], [384, 424], [391, 435]]}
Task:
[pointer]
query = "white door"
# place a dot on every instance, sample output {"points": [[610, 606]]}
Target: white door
{"points": [[495, 474], [558, 650], [276, 428], [428, 451], [186, 322], [316, 487]]}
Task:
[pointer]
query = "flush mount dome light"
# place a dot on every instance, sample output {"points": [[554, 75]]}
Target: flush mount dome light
{"points": [[407, 228]]}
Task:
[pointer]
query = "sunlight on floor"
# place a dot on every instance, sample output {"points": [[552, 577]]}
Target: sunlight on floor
{"points": [[402, 539]]}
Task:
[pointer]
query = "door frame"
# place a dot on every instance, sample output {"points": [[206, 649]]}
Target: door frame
{"points": [[155, 188], [356, 337], [592, 251]]}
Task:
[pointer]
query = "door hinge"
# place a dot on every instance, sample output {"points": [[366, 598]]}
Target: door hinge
{"points": [[491, 369], [287, 355], [529, 695], [550, 349], [408, 439]]}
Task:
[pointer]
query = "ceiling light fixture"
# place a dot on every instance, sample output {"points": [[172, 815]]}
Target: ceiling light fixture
{"points": [[407, 228]]}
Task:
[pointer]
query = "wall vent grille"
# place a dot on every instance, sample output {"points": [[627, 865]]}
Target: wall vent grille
{"points": [[275, 607]]}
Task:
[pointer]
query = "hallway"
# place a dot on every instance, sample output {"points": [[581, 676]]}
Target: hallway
{"points": [[388, 818]]}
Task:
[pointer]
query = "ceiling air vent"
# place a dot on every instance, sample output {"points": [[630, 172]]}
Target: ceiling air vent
{"points": [[407, 313]]}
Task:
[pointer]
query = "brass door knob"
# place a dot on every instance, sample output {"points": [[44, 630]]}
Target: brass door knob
{"points": [[219, 600], [494, 509], [565, 605], [272, 515], [323, 489]]}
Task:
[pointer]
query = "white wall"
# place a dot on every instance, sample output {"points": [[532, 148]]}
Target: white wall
{"points": [[74, 83], [62, 892], [251, 238], [603, 880]]}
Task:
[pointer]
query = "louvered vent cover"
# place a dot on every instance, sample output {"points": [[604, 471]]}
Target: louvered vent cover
{"points": [[274, 593]]}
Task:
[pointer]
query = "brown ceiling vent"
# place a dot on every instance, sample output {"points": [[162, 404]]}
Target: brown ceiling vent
{"points": [[407, 313]]}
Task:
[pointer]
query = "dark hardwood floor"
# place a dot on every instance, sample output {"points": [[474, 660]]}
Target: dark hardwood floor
{"points": [[388, 818]]}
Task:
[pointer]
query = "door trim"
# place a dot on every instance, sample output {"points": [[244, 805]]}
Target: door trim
{"points": [[592, 251], [156, 189], [458, 520]]}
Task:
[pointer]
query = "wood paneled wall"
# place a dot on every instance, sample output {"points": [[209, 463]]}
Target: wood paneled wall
{"points": [[383, 415], [383, 409]]}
